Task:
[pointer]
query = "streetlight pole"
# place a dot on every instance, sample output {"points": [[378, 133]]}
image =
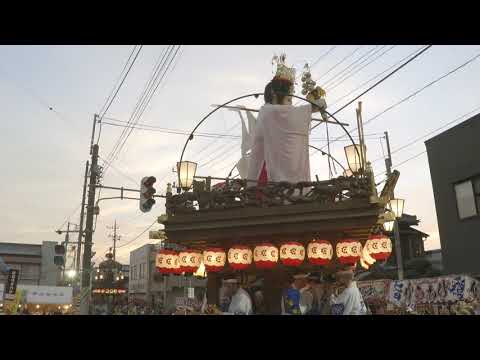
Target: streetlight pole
{"points": [[398, 250]]}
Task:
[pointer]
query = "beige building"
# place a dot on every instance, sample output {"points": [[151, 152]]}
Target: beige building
{"points": [[34, 261], [147, 285]]}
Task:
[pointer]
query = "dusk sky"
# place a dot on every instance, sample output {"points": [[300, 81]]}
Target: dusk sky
{"points": [[43, 151]]}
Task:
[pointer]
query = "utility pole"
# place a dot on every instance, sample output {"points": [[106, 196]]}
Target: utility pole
{"points": [[67, 237], [82, 213], [388, 161], [396, 230], [87, 252], [115, 238]]}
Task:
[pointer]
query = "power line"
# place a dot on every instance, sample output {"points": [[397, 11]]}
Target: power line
{"points": [[141, 98], [145, 103], [340, 62], [120, 172], [405, 161], [350, 74], [379, 82], [432, 132], [136, 237], [376, 76], [323, 55], [118, 80], [118, 88], [337, 75]]}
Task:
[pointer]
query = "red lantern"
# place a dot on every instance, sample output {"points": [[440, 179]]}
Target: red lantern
{"points": [[239, 257], [349, 251], [167, 262], [214, 259], [379, 247], [319, 252], [265, 256], [189, 260], [292, 253]]}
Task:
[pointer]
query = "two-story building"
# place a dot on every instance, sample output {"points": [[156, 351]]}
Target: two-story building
{"points": [[455, 172]]}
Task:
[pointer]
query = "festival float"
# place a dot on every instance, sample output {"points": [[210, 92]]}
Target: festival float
{"points": [[274, 217]]}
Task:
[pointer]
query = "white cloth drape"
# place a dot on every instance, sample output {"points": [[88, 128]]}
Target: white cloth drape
{"points": [[281, 141]]}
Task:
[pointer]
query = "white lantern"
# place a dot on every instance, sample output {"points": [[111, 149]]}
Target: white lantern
{"points": [[214, 259], [240, 257], [320, 252], [396, 205], [186, 172], [292, 253], [189, 260], [352, 153], [167, 262], [265, 256]]}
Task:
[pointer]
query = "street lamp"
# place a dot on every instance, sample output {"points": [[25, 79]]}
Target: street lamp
{"points": [[71, 273], [186, 172], [352, 153], [396, 206]]}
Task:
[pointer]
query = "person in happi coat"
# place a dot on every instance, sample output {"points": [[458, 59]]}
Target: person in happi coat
{"points": [[297, 299], [349, 300], [241, 303]]}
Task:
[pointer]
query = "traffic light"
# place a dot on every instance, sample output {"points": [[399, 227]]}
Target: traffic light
{"points": [[59, 258], [146, 193]]}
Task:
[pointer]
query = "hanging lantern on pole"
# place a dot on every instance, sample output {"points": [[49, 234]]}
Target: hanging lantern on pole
{"points": [[189, 260], [214, 259], [166, 262], [292, 253], [349, 251], [265, 256], [379, 247], [319, 252], [240, 257]]}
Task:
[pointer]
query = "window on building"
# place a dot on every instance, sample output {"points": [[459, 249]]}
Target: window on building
{"points": [[467, 198]]}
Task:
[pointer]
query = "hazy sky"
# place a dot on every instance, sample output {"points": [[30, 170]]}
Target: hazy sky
{"points": [[43, 151]]}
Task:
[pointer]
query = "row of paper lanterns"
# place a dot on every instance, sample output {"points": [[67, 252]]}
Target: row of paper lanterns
{"points": [[267, 255]]}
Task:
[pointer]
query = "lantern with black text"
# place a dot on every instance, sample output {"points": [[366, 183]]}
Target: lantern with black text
{"points": [[349, 251], [166, 262], [265, 256], [379, 247], [319, 252], [292, 253], [239, 257], [214, 259], [189, 260]]}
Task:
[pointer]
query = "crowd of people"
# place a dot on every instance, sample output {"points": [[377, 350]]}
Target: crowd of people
{"points": [[305, 294]]}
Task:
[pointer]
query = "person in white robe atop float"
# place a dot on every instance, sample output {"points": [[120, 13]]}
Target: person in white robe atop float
{"points": [[281, 136]]}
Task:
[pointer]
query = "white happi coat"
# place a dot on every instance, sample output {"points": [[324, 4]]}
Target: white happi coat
{"points": [[241, 303], [348, 302], [281, 141]]}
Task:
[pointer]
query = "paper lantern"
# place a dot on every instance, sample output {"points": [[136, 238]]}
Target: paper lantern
{"points": [[189, 260], [265, 256], [214, 259], [319, 252], [239, 257], [379, 247], [292, 253], [166, 262], [349, 251]]}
